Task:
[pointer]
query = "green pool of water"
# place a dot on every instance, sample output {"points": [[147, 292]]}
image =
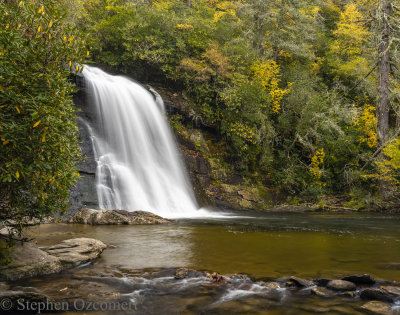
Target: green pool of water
{"points": [[259, 244]]}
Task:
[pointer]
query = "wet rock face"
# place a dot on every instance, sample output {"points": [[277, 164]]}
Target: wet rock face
{"points": [[115, 217], [84, 194], [213, 184], [394, 291], [376, 294], [300, 283]]}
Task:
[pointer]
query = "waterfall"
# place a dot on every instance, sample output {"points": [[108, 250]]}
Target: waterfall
{"points": [[138, 164]]}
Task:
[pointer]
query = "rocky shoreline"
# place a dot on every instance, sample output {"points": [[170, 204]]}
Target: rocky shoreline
{"points": [[118, 285], [60, 273]]}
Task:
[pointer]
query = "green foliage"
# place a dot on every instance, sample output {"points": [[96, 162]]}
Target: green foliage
{"points": [[39, 145], [278, 81]]}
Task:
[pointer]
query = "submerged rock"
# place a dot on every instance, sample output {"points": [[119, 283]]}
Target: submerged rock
{"points": [[360, 279], [15, 300], [389, 266], [322, 282], [341, 285], [376, 294], [3, 286], [322, 292], [347, 294], [74, 252], [376, 307], [115, 217]]}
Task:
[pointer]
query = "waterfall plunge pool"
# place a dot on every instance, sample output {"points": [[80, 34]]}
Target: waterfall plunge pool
{"points": [[258, 244], [261, 245]]}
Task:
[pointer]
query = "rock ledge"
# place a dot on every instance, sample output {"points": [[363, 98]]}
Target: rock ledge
{"points": [[115, 217]]}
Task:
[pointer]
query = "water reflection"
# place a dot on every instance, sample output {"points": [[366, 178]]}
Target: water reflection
{"points": [[260, 245], [132, 246]]}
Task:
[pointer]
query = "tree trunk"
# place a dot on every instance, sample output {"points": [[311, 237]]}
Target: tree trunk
{"points": [[259, 35], [383, 84]]}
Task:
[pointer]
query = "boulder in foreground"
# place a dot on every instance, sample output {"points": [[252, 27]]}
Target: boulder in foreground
{"points": [[115, 217], [27, 260]]}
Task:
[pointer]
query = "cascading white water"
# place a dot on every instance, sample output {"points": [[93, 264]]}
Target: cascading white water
{"points": [[138, 165]]}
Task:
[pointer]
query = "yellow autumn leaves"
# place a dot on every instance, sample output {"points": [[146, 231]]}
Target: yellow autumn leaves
{"points": [[268, 73], [243, 131], [316, 165], [366, 123]]}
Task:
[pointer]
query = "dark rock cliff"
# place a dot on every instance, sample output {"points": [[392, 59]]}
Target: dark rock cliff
{"points": [[83, 194], [215, 183]]}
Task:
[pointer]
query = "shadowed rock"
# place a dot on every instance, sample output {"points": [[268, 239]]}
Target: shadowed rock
{"points": [[322, 282], [12, 300], [360, 279], [115, 217], [376, 294], [347, 294]]}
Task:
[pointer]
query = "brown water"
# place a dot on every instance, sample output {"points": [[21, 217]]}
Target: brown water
{"points": [[271, 245], [139, 269]]}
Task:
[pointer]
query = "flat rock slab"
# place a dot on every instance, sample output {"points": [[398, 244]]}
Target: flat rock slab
{"points": [[376, 307], [115, 217], [341, 285], [27, 260], [74, 252]]}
